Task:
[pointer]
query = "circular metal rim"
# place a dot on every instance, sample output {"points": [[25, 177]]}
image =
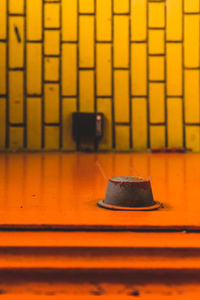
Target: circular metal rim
{"points": [[141, 179], [102, 204]]}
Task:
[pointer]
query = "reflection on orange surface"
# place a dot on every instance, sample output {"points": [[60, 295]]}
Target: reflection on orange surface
{"points": [[63, 188]]}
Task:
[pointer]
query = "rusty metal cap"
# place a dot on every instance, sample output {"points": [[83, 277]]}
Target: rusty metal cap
{"points": [[129, 193]]}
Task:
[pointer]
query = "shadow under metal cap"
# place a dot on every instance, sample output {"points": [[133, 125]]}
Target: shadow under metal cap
{"points": [[129, 193]]}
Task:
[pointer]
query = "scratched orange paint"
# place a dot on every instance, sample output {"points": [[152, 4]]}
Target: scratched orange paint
{"points": [[62, 189]]}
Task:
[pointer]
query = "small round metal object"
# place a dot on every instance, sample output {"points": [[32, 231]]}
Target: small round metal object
{"points": [[129, 193]]}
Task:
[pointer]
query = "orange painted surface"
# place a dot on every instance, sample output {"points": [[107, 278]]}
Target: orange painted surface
{"points": [[62, 189]]}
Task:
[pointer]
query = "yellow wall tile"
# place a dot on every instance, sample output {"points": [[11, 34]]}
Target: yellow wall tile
{"points": [[34, 12], [2, 123], [191, 6], [16, 47], [122, 137], [69, 106], [192, 104], [174, 69], [69, 69], [69, 20], [34, 68], [86, 41], [52, 42], [16, 7], [3, 68], [121, 41], [157, 102], [51, 68], [157, 14], [121, 96], [138, 69], [86, 47], [156, 42], [103, 72], [191, 45], [156, 68], [86, 6], [3, 14], [52, 15], [138, 20], [174, 20], [16, 96], [121, 6], [157, 136], [51, 139], [193, 138], [52, 103], [86, 91], [139, 123], [103, 20], [34, 123], [104, 106], [16, 138], [175, 122]]}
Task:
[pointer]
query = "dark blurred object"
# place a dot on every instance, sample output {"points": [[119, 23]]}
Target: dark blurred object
{"points": [[170, 150], [87, 127]]}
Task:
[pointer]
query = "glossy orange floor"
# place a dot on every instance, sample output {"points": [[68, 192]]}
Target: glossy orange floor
{"points": [[61, 190]]}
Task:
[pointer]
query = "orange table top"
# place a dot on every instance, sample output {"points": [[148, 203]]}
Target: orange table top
{"points": [[61, 190]]}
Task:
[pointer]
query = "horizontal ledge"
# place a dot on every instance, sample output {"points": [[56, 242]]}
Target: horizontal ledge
{"points": [[52, 28], [69, 96], [139, 96], [99, 239], [98, 228], [16, 124], [174, 96], [156, 1], [107, 258], [52, 81], [156, 54], [52, 124], [157, 124], [86, 68], [191, 13], [69, 42], [34, 41], [86, 14], [192, 124], [121, 14], [191, 68], [122, 123], [16, 69], [52, 1], [157, 81], [174, 42], [121, 68], [138, 42], [34, 95], [156, 28], [104, 42], [52, 55], [16, 15], [104, 96], [134, 275]]}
